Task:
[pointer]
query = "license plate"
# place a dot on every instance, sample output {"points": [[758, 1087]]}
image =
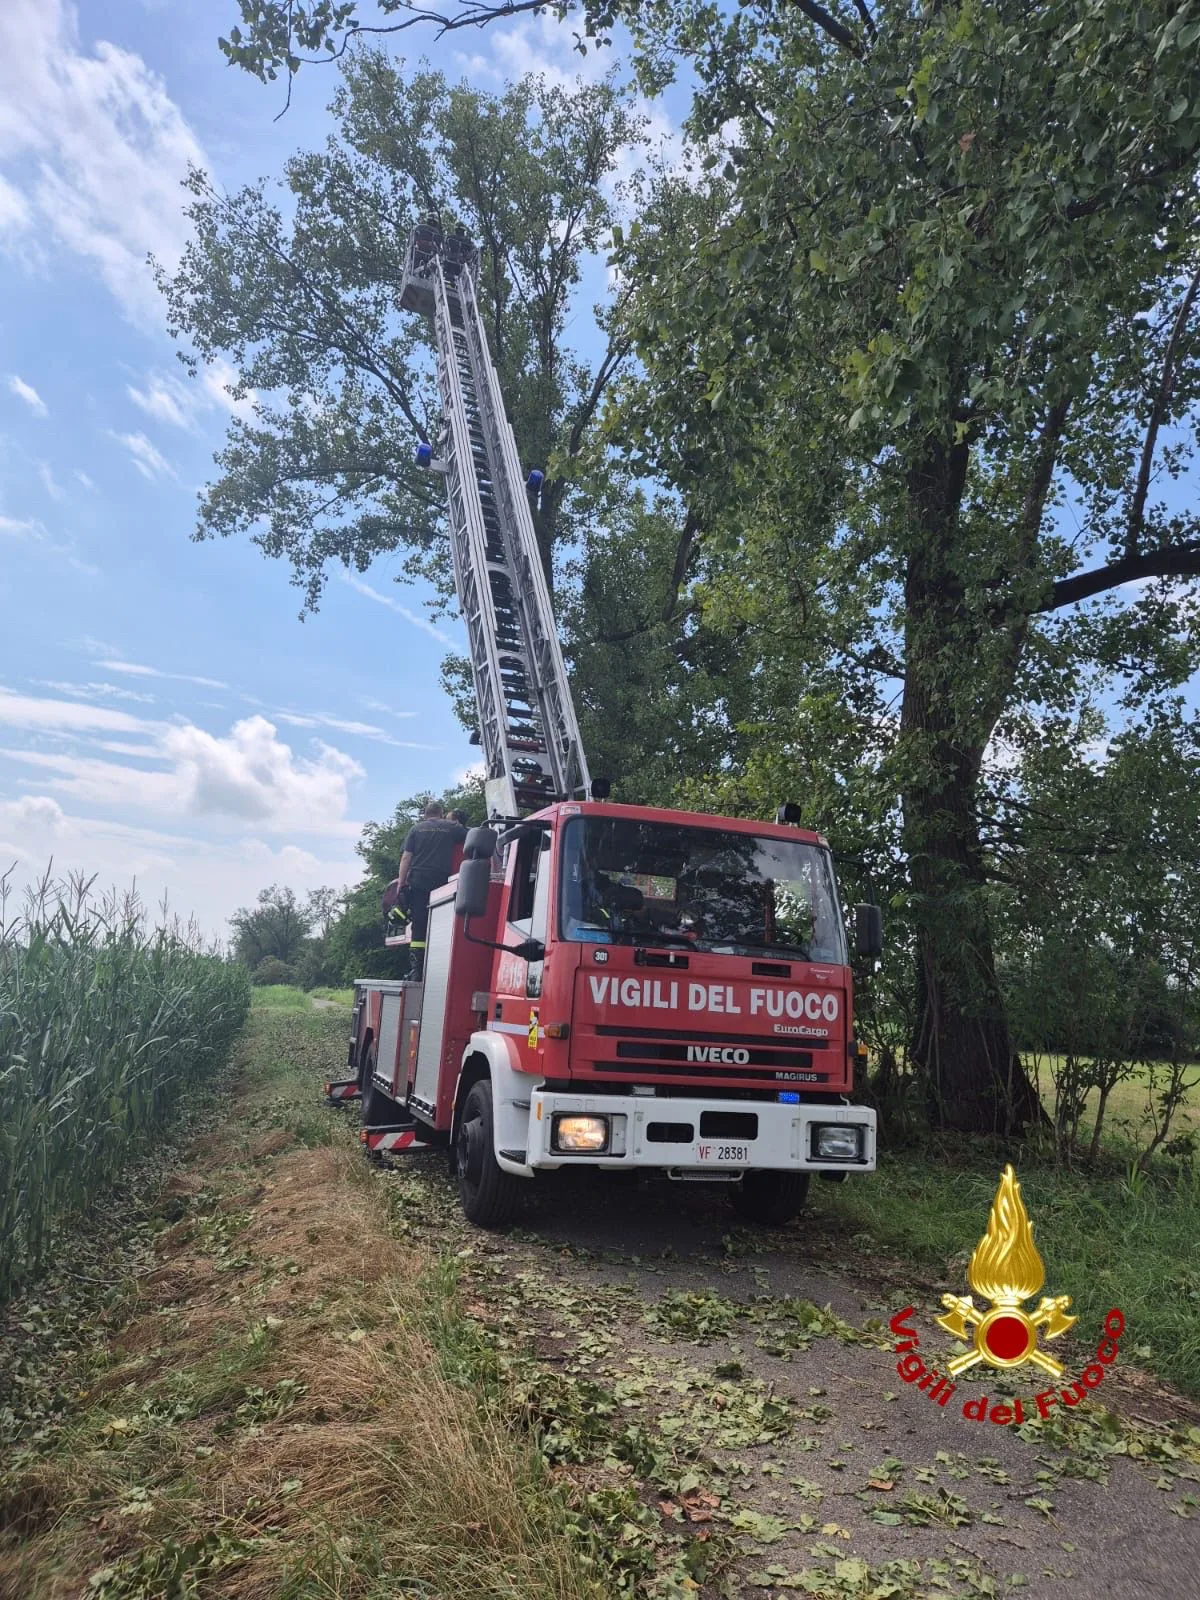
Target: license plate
{"points": [[723, 1155]]}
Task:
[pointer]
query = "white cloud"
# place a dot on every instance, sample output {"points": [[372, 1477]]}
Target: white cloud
{"points": [[218, 380], [33, 530], [26, 391], [414, 617], [120, 747], [21, 528], [36, 809], [164, 399], [135, 669], [83, 478], [381, 705], [545, 46], [14, 212], [249, 775], [362, 730], [93, 691], [151, 463], [177, 404], [36, 714], [54, 489], [95, 148], [198, 875], [252, 775]]}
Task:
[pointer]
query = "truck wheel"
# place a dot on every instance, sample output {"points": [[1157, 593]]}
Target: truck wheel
{"points": [[366, 1069], [770, 1198], [366, 1065], [490, 1197]]}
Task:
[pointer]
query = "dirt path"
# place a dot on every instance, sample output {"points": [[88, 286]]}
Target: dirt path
{"points": [[828, 1473]]}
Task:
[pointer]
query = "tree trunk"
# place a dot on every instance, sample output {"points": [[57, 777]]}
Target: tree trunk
{"points": [[974, 1081]]}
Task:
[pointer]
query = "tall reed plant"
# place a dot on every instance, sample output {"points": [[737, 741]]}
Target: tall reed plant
{"points": [[105, 1021]]}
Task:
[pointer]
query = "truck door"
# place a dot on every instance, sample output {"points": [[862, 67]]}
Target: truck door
{"points": [[530, 906]]}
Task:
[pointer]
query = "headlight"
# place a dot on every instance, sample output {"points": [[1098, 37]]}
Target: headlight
{"points": [[580, 1134], [836, 1142]]}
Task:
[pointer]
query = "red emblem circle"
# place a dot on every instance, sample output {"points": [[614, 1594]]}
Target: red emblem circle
{"points": [[1007, 1338]]}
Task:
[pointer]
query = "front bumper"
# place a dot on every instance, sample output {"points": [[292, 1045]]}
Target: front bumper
{"points": [[699, 1139]]}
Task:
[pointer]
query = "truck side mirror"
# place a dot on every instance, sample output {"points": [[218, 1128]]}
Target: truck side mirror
{"points": [[480, 844], [474, 881], [868, 931]]}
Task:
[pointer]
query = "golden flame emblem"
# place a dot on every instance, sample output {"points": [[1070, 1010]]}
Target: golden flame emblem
{"points": [[1006, 1270]]}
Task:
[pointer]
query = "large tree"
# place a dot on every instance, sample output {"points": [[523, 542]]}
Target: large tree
{"points": [[952, 297], [299, 292], [275, 928]]}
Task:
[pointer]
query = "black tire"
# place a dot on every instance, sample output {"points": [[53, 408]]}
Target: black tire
{"points": [[490, 1197], [771, 1199], [366, 1065]]}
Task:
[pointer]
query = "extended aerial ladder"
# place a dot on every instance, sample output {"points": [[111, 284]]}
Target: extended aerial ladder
{"points": [[527, 726]]}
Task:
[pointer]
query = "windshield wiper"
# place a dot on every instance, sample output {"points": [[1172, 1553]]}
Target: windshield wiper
{"points": [[655, 936], [799, 952]]}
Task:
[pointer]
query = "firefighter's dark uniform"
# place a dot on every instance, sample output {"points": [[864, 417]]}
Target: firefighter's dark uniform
{"points": [[433, 844]]}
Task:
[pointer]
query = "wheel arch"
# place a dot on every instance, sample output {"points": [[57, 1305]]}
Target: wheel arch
{"points": [[494, 1056]]}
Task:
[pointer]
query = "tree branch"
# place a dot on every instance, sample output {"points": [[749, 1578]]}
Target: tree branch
{"points": [[613, 358], [868, 20], [829, 24], [1175, 561], [1136, 522], [683, 554]]}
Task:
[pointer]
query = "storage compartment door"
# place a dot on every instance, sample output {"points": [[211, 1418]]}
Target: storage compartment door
{"points": [[391, 1010], [440, 938]]}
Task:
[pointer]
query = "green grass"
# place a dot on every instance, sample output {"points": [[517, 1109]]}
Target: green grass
{"points": [[279, 996], [341, 997], [285, 996], [1106, 1240]]}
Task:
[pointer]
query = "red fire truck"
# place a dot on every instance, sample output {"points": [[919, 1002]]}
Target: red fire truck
{"points": [[622, 987]]}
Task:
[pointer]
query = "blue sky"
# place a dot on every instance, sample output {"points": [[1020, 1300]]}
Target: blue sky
{"points": [[164, 715]]}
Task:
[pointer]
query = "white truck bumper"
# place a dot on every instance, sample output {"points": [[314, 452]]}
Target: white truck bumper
{"points": [[674, 1135]]}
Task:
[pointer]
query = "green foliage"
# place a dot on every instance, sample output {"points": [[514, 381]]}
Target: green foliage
{"points": [[917, 324], [103, 1025], [273, 973], [274, 929], [280, 996], [300, 296], [937, 285]]}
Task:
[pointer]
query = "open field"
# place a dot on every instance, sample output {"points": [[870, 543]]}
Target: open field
{"points": [[1127, 1112], [309, 1380]]}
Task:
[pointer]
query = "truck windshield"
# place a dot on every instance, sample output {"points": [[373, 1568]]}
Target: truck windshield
{"points": [[631, 882]]}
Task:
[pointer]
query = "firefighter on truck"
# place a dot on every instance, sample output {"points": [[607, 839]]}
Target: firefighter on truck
{"points": [[430, 857]]}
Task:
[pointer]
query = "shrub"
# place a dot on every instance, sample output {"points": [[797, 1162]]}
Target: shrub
{"points": [[272, 971]]}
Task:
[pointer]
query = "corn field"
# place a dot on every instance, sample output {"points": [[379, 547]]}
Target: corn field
{"points": [[104, 1020]]}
